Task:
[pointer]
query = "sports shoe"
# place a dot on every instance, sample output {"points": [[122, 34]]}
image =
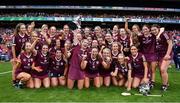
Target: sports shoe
{"points": [[164, 87]]}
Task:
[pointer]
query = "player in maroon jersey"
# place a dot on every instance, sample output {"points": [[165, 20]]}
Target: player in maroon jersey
{"points": [[97, 32], [95, 44], [58, 69], [124, 39], [57, 46], [108, 39], [120, 72], [115, 33], [68, 35], [105, 70], [164, 53], [75, 72], [116, 50], [53, 36], [87, 32], [139, 69], [40, 68], [30, 29], [23, 67], [134, 33], [43, 35], [34, 36], [91, 64], [19, 39], [148, 47]]}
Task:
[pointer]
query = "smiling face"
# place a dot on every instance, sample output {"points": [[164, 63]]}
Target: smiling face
{"points": [[106, 53], [22, 29], [34, 36], [94, 52], [84, 44], [122, 32], [97, 31], [134, 50], [79, 36], [121, 58], [87, 31], [115, 46], [66, 29], [28, 47], [89, 38], [52, 30], [58, 43], [45, 28], [108, 37], [44, 49], [135, 28], [58, 54], [115, 29], [67, 44], [154, 30], [145, 30], [29, 28], [94, 43]]}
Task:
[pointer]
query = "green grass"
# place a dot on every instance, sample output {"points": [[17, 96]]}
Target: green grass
{"points": [[62, 94]]}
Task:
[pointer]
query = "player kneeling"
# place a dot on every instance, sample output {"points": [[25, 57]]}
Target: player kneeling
{"points": [[91, 64], [40, 68], [23, 68], [57, 69], [121, 71], [138, 68]]}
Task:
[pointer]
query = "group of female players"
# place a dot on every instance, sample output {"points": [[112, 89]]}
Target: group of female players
{"points": [[119, 56]]}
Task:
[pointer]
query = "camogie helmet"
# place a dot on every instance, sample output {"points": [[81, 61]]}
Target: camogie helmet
{"points": [[144, 88]]}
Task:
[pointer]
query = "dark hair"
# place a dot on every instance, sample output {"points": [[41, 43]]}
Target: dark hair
{"points": [[27, 25], [45, 44], [23, 46], [58, 50], [133, 46], [155, 25], [146, 25]]}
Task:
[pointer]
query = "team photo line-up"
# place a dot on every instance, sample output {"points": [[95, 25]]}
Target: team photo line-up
{"points": [[121, 56]]}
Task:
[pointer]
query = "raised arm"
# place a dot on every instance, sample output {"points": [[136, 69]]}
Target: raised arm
{"points": [[126, 26]]}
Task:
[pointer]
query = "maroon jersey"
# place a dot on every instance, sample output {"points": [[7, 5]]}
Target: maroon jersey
{"points": [[137, 65], [147, 44], [104, 72], [122, 69], [52, 50], [42, 38], [53, 40], [41, 61], [69, 36], [38, 46], [92, 65], [114, 60], [126, 44], [19, 42], [57, 66], [26, 63], [116, 36], [75, 71], [161, 43]]}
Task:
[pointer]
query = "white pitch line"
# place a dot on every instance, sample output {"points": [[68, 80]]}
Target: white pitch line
{"points": [[5, 72]]}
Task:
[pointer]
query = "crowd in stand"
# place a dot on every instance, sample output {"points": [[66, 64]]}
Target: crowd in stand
{"points": [[88, 15]]}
